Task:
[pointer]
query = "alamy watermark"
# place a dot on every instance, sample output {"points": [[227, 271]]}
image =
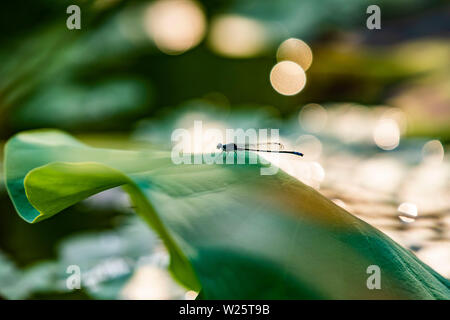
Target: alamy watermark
{"points": [[374, 280], [374, 20], [184, 141], [74, 20]]}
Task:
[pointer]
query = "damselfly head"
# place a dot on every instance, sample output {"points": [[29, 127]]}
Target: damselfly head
{"points": [[219, 146]]}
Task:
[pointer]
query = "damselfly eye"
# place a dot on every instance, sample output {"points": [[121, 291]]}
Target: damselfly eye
{"points": [[219, 146]]}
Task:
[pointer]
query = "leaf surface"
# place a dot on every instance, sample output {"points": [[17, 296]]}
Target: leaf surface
{"points": [[230, 231]]}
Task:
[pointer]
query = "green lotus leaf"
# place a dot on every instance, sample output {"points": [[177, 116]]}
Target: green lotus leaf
{"points": [[230, 231]]}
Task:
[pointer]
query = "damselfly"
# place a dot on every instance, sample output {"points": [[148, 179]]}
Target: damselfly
{"points": [[270, 147]]}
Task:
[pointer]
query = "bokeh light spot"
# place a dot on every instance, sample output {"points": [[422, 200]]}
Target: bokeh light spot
{"points": [[387, 134], [408, 212], [175, 25], [287, 78], [237, 36], [313, 117], [297, 51], [310, 146], [433, 151]]}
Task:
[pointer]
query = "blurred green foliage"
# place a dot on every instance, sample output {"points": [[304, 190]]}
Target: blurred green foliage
{"points": [[108, 74]]}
